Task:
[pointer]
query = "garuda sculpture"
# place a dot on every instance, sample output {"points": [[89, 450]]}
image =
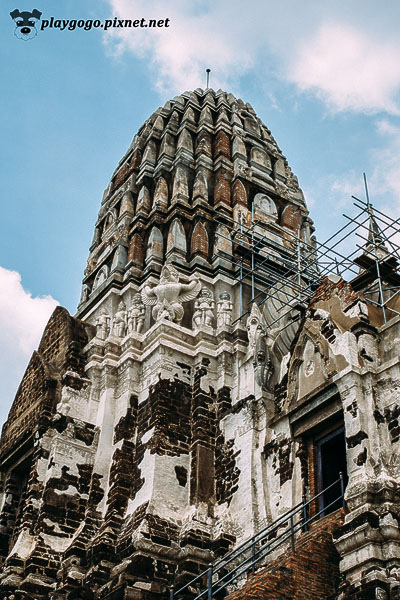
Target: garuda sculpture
{"points": [[168, 296]]}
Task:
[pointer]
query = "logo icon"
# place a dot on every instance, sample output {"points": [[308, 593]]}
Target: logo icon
{"points": [[25, 23]]}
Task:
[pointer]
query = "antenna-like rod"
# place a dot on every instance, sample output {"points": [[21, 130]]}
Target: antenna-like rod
{"points": [[208, 78], [366, 193]]}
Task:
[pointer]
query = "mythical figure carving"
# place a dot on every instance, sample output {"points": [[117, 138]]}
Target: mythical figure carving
{"points": [[262, 362], [168, 296], [203, 309], [224, 310], [100, 277], [254, 325], [103, 325], [85, 294], [120, 320], [136, 315]]}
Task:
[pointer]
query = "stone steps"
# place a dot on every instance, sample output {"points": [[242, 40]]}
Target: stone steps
{"points": [[311, 572]]}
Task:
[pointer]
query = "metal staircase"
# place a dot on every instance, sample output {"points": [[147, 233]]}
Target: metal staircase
{"points": [[245, 557]]}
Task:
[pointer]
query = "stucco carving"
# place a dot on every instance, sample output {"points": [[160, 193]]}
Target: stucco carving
{"points": [[136, 315], [224, 310], [168, 296], [258, 346], [204, 309], [262, 362], [100, 277], [103, 325], [254, 325], [120, 320], [85, 293]]}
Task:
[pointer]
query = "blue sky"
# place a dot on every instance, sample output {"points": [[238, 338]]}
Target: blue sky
{"points": [[323, 76]]}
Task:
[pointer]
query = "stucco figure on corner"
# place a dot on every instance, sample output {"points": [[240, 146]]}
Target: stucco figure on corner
{"points": [[224, 310], [103, 325], [262, 362], [85, 294], [168, 296], [254, 326], [120, 320], [204, 309], [136, 315]]}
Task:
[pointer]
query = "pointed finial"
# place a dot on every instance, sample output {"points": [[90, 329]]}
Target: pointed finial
{"points": [[375, 242], [208, 71]]}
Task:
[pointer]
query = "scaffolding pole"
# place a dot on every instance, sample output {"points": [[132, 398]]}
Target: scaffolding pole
{"points": [[280, 265]]}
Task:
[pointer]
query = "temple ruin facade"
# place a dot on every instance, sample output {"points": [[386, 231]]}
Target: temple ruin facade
{"points": [[198, 396]]}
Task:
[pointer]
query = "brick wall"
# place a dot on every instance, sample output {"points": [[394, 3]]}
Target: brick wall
{"points": [[60, 350], [310, 573]]}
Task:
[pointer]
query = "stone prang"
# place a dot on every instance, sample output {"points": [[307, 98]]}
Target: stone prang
{"points": [[176, 415]]}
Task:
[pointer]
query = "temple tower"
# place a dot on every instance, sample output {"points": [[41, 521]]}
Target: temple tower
{"points": [[177, 413], [171, 355], [145, 420]]}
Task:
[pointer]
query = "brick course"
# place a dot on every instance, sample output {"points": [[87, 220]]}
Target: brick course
{"points": [[310, 573]]}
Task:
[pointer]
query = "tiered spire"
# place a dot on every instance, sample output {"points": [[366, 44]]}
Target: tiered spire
{"points": [[202, 157]]}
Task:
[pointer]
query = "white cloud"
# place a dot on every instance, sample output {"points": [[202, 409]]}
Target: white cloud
{"points": [[343, 188], [383, 172], [349, 70], [22, 320], [386, 171], [196, 39], [383, 178], [310, 197], [346, 54], [22, 317]]}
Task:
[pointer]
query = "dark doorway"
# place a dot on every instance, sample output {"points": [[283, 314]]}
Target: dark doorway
{"points": [[331, 461]]}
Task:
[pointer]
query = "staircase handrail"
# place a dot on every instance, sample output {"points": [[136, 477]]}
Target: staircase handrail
{"points": [[250, 544]]}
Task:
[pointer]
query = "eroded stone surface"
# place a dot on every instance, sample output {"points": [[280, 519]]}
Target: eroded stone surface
{"points": [[156, 429]]}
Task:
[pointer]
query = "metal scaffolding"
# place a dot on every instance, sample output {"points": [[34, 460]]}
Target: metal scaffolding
{"points": [[277, 264]]}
